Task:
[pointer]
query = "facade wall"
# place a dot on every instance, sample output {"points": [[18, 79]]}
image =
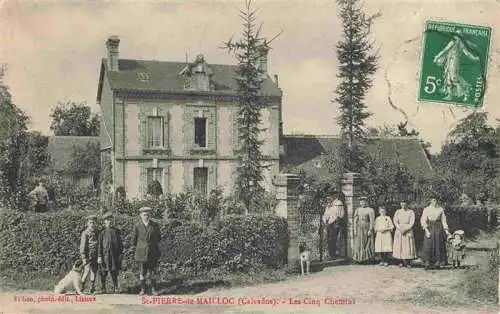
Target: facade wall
{"points": [[179, 154], [132, 182], [226, 171], [106, 108]]}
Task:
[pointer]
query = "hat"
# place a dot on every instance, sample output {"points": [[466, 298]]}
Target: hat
{"points": [[91, 217], [107, 215], [363, 198], [144, 209]]}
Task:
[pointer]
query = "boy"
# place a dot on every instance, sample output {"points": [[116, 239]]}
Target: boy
{"points": [[110, 250], [88, 251], [145, 240]]}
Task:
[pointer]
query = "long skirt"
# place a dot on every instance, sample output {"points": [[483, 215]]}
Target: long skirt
{"points": [[434, 248], [364, 246], [404, 245]]}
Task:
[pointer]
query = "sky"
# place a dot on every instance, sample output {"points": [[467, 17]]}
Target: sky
{"points": [[53, 51]]}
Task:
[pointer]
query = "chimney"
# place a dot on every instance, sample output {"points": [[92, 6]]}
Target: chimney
{"points": [[263, 61], [112, 45]]}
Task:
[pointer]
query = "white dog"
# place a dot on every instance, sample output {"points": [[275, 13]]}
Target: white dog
{"points": [[72, 279], [304, 256]]}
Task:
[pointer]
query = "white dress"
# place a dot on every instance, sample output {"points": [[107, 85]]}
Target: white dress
{"points": [[404, 240], [383, 239]]}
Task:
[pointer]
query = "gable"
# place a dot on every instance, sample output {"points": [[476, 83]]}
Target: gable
{"points": [[304, 153]]}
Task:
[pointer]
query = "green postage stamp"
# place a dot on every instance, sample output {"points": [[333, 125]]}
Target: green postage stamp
{"points": [[454, 62]]}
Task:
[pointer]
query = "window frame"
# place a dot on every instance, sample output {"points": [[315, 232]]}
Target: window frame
{"points": [[150, 143]]}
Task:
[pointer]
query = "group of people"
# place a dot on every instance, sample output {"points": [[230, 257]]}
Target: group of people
{"points": [[101, 251], [374, 236]]}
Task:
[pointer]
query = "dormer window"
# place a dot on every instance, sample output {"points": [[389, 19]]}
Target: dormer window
{"points": [[143, 77], [197, 75]]}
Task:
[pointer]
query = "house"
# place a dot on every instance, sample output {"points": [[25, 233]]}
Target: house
{"points": [[60, 149], [176, 122], [304, 153]]}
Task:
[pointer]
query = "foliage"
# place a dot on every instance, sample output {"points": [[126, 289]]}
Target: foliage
{"points": [[13, 145], [248, 52], [86, 160], [37, 158], [471, 156], [235, 243], [155, 189], [482, 282], [74, 119], [357, 65]]}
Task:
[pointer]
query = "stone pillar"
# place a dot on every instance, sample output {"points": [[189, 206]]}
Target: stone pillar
{"points": [[351, 188], [288, 207]]}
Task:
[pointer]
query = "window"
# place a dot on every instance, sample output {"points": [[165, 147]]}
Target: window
{"points": [[200, 130], [155, 131], [200, 180], [155, 174]]}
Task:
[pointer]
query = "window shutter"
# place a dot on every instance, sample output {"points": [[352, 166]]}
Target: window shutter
{"points": [[166, 120], [143, 130], [211, 132]]}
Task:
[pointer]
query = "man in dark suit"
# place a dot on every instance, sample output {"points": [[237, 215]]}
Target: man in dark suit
{"points": [[146, 239], [110, 253]]}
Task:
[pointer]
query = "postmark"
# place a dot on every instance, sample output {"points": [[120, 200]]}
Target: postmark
{"points": [[454, 64]]}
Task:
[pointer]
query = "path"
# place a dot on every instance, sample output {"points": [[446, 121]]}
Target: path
{"points": [[374, 289]]}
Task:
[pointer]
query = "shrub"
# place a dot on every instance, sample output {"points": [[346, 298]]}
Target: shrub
{"points": [[155, 189], [235, 243], [482, 282]]}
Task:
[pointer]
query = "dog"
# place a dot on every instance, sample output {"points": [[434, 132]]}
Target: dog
{"points": [[304, 257], [71, 279]]}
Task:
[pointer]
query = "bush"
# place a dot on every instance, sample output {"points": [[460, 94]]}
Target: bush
{"points": [[155, 189], [482, 283], [235, 243]]}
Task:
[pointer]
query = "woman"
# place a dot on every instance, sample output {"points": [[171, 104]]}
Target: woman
{"points": [[433, 221], [404, 240], [364, 245]]}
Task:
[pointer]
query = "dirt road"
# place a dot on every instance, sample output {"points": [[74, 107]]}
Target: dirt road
{"points": [[367, 289]]}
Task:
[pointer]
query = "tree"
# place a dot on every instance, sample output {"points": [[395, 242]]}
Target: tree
{"points": [[471, 156], [248, 52], [86, 160], [357, 65], [36, 157], [13, 137], [74, 119]]}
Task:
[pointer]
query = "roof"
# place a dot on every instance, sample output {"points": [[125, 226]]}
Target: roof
{"points": [[303, 152], [60, 148], [164, 76]]}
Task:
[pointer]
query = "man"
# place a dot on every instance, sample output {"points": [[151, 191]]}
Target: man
{"points": [[40, 197], [110, 253], [88, 251], [146, 239], [333, 219]]}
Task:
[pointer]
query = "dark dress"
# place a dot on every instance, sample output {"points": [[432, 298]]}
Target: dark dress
{"points": [[434, 248], [110, 249]]}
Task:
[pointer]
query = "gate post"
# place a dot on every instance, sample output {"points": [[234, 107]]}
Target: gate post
{"points": [[288, 207], [351, 187]]}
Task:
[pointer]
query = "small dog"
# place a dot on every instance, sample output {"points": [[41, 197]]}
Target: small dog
{"points": [[71, 279], [304, 256]]}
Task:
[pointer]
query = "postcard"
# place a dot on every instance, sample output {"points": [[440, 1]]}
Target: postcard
{"points": [[237, 156]]}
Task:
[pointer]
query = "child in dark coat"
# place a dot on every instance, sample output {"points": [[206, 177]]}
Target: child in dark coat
{"points": [[110, 253]]}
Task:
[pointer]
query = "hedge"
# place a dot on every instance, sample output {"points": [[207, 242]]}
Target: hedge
{"points": [[47, 243]]}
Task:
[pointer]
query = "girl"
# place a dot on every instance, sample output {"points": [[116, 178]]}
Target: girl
{"points": [[404, 240], [383, 238], [457, 247]]}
